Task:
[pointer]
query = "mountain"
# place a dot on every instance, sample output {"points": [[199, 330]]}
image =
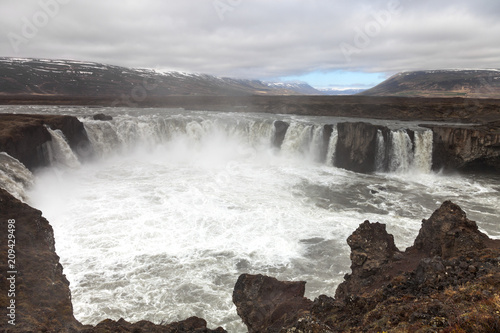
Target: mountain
{"points": [[340, 91], [474, 83], [300, 88], [77, 79]]}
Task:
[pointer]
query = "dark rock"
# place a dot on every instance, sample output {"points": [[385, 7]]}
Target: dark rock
{"points": [[448, 233], [357, 146], [280, 128], [42, 295], [193, 324], [24, 137], [268, 305], [102, 117], [466, 148], [371, 248]]}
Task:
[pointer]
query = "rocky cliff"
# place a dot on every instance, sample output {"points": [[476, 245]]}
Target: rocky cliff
{"points": [[38, 289], [448, 281], [459, 147], [474, 148], [25, 137]]}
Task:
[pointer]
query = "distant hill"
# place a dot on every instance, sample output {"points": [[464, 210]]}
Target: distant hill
{"points": [[76, 79], [339, 92], [300, 88], [440, 83]]}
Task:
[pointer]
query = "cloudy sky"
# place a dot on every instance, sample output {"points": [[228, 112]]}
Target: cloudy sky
{"points": [[323, 42]]}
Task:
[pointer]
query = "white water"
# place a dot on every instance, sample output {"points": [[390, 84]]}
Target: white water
{"points": [[14, 177], [177, 205]]}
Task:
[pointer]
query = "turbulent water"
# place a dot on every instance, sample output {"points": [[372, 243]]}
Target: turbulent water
{"points": [[171, 206]]}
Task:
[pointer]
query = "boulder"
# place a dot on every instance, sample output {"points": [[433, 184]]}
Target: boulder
{"points": [[372, 248], [190, 325], [448, 233], [268, 305]]}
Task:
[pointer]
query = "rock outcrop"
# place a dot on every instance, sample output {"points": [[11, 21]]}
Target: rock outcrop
{"points": [[357, 146], [190, 325], [24, 137], [267, 305], [466, 148], [40, 290], [449, 233], [448, 281]]}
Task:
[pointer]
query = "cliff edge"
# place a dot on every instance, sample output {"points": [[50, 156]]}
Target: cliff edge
{"points": [[448, 281]]}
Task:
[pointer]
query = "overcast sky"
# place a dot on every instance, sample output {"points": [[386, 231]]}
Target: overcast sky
{"points": [[323, 42]]}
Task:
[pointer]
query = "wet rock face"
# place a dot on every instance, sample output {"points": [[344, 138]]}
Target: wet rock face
{"points": [[471, 149], [280, 128], [449, 233], [267, 305], [356, 147], [24, 137], [42, 295]]}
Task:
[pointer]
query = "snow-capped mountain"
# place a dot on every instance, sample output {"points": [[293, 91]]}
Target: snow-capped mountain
{"points": [[300, 88], [77, 79], [475, 83]]}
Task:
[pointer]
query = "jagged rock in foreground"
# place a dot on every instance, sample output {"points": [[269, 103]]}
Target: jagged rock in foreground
{"points": [[193, 324], [448, 281], [266, 304], [41, 291]]}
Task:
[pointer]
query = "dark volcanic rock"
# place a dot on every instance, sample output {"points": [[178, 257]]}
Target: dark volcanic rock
{"points": [[193, 324], [466, 148], [371, 249], [102, 117], [24, 137], [42, 295], [268, 305], [356, 146], [280, 128], [448, 233]]}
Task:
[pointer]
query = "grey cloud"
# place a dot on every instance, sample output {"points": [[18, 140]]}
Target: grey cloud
{"points": [[262, 38]]}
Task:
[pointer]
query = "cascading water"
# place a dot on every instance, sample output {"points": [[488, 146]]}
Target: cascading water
{"points": [[176, 204], [332, 145], [59, 151], [402, 152], [422, 159], [380, 156], [14, 177]]}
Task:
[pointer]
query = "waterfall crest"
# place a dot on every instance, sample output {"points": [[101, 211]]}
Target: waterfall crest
{"points": [[59, 152]]}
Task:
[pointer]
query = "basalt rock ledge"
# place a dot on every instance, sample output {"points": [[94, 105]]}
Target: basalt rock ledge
{"points": [[448, 281]]}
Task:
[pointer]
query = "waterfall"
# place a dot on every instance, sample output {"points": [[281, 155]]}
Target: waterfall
{"points": [[332, 145], [422, 160], [15, 178], [59, 151], [406, 155], [380, 156], [297, 139], [398, 151], [401, 157], [316, 146]]}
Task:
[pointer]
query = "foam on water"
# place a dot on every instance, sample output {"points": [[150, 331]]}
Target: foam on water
{"points": [[176, 206]]}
